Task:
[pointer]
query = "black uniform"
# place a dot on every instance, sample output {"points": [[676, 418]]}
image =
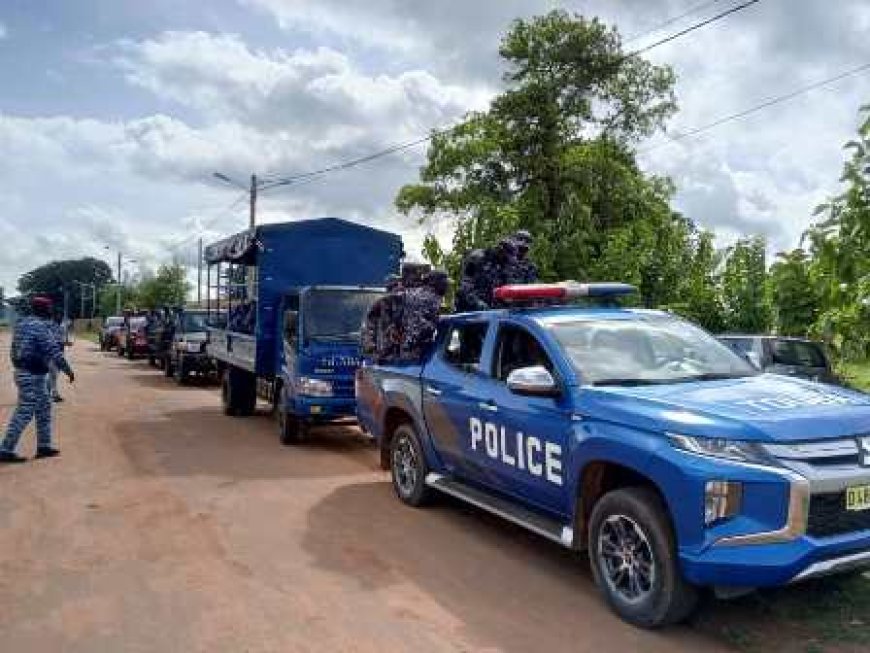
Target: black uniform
{"points": [[467, 297], [524, 270]]}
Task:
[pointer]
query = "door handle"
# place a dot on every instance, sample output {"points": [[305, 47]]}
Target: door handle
{"points": [[435, 392], [485, 405]]}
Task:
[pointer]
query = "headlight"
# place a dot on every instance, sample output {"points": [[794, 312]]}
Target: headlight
{"points": [[194, 347], [738, 450], [315, 387]]}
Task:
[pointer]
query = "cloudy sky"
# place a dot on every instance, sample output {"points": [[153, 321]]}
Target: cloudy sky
{"points": [[114, 115]]}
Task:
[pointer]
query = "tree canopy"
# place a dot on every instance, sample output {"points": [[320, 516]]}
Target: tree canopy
{"points": [[67, 277]]}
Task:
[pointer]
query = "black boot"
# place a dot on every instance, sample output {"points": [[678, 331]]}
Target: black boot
{"points": [[47, 452], [11, 457]]}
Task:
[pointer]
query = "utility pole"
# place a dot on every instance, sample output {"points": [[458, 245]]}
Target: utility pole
{"points": [[253, 220], [120, 284], [199, 276]]}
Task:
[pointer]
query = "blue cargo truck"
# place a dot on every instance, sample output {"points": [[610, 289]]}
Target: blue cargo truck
{"points": [[636, 436], [285, 304]]}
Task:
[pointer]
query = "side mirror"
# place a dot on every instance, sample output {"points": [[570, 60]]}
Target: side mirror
{"points": [[535, 381], [753, 359]]}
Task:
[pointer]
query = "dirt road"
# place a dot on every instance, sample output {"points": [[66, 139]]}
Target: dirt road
{"points": [[165, 526]]}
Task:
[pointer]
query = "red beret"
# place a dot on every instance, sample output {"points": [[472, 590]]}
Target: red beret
{"points": [[40, 301]]}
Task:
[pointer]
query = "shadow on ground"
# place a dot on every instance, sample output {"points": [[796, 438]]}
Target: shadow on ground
{"points": [[204, 442], [510, 589]]}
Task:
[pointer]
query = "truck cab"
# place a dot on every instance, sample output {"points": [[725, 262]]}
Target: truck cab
{"points": [[637, 436], [319, 356]]}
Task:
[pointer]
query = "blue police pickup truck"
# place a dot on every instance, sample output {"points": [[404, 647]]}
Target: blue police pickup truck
{"points": [[638, 437]]}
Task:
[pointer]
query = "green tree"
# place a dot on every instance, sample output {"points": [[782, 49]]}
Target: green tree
{"points": [[839, 245], [553, 152], [793, 296], [169, 287], [744, 287], [64, 279]]}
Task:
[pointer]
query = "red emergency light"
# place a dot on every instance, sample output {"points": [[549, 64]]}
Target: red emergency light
{"points": [[565, 290]]}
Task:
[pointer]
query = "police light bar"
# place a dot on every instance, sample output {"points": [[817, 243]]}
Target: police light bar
{"points": [[563, 290]]}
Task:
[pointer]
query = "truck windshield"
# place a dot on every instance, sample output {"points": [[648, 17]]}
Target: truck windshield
{"points": [[194, 322], [646, 351], [336, 314]]}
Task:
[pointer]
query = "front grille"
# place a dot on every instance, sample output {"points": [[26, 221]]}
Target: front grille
{"points": [[828, 516], [343, 387]]}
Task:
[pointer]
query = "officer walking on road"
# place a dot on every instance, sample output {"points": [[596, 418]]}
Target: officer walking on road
{"points": [[33, 347]]}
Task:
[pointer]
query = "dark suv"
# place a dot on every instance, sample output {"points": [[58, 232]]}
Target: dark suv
{"points": [[783, 355]]}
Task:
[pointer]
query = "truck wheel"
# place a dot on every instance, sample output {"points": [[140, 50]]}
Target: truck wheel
{"points": [[291, 429], [634, 562], [129, 353], [152, 361], [408, 467], [167, 367], [239, 393], [120, 352], [180, 372]]}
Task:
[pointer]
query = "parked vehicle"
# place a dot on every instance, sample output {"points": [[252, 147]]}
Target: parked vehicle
{"points": [[783, 355], [286, 303], [638, 437], [183, 351], [132, 338], [108, 333]]}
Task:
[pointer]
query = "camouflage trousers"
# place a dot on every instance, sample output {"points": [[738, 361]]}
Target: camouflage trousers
{"points": [[33, 402]]}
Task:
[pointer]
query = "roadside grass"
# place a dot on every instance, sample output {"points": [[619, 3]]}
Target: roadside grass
{"points": [[856, 375], [830, 614], [89, 336]]}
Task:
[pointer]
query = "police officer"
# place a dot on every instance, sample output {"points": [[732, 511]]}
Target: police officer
{"points": [[525, 271], [374, 332], [57, 331], [499, 269], [33, 347], [467, 297], [420, 315]]}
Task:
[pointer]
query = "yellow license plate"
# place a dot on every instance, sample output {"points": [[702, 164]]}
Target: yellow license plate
{"points": [[858, 497]]}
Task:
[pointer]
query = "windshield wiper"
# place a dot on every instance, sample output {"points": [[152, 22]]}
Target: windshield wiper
{"points": [[631, 382], [714, 376]]}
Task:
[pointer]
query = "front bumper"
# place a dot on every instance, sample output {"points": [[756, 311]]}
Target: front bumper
{"points": [[317, 409], [769, 565], [759, 549]]}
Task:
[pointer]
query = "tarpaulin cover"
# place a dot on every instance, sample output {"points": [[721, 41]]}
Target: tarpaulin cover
{"points": [[238, 248]]}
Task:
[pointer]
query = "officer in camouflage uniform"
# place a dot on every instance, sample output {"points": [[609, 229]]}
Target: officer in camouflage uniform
{"points": [[33, 347], [374, 335], [420, 315], [500, 268], [467, 297], [525, 271]]}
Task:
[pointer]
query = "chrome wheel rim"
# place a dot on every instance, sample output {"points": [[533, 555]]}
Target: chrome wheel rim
{"points": [[626, 559], [405, 465]]}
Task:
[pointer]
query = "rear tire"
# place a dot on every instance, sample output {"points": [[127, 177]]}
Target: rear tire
{"points": [[632, 550], [408, 467], [238, 392]]}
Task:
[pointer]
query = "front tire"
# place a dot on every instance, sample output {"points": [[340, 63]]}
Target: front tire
{"points": [[180, 371], [632, 550], [408, 467], [291, 429]]}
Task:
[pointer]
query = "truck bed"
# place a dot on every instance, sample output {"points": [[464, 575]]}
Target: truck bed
{"points": [[233, 348], [381, 386]]}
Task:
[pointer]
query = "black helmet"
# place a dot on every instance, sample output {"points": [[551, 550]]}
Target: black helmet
{"points": [[506, 247], [438, 281]]}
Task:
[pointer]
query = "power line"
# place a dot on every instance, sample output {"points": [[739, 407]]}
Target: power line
{"points": [[696, 26], [758, 107], [292, 179], [670, 21]]}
